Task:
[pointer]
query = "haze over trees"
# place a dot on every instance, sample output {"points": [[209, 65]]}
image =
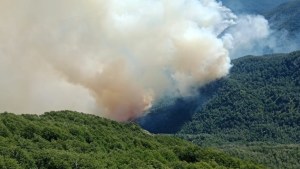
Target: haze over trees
{"points": [[286, 17]]}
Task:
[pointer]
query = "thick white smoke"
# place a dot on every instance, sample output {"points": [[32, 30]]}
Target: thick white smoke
{"points": [[253, 34], [108, 57], [245, 36]]}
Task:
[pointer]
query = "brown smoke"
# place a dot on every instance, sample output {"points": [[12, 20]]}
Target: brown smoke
{"points": [[107, 57]]}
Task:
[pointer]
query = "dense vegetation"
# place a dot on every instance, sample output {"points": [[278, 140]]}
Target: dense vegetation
{"points": [[258, 102], [276, 156], [59, 140]]}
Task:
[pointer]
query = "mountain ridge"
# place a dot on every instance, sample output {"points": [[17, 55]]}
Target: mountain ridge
{"points": [[285, 17]]}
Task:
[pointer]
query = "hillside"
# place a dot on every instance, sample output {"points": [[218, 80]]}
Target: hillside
{"points": [[259, 101], [67, 139], [285, 17], [275, 156], [253, 6], [255, 112]]}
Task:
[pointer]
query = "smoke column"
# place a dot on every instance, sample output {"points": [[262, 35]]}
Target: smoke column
{"points": [[108, 57], [249, 36]]}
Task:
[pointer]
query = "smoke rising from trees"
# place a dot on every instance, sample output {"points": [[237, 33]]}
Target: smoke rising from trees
{"points": [[107, 57]]}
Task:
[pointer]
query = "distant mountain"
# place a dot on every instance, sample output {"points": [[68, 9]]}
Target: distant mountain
{"points": [[252, 6], [61, 140], [285, 17], [281, 14], [259, 101]]}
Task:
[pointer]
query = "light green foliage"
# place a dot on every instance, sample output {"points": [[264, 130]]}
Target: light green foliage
{"points": [[59, 140]]}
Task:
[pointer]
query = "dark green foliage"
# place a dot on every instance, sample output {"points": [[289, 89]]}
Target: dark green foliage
{"points": [[60, 140], [258, 102], [275, 156]]}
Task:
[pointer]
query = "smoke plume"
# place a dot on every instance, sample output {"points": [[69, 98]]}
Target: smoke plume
{"points": [[108, 57], [246, 36], [253, 34]]}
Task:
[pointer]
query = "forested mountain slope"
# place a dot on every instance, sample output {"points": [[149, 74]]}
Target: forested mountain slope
{"points": [[286, 17], [60, 140], [259, 101], [275, 156], [255, 112]]}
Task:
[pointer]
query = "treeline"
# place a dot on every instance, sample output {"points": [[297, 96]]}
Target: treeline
{"points": [[60, 140]]}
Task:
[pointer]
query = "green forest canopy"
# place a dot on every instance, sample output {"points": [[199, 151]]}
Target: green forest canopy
{"points": [[259, 101], [255, 113], [65, 139]]}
